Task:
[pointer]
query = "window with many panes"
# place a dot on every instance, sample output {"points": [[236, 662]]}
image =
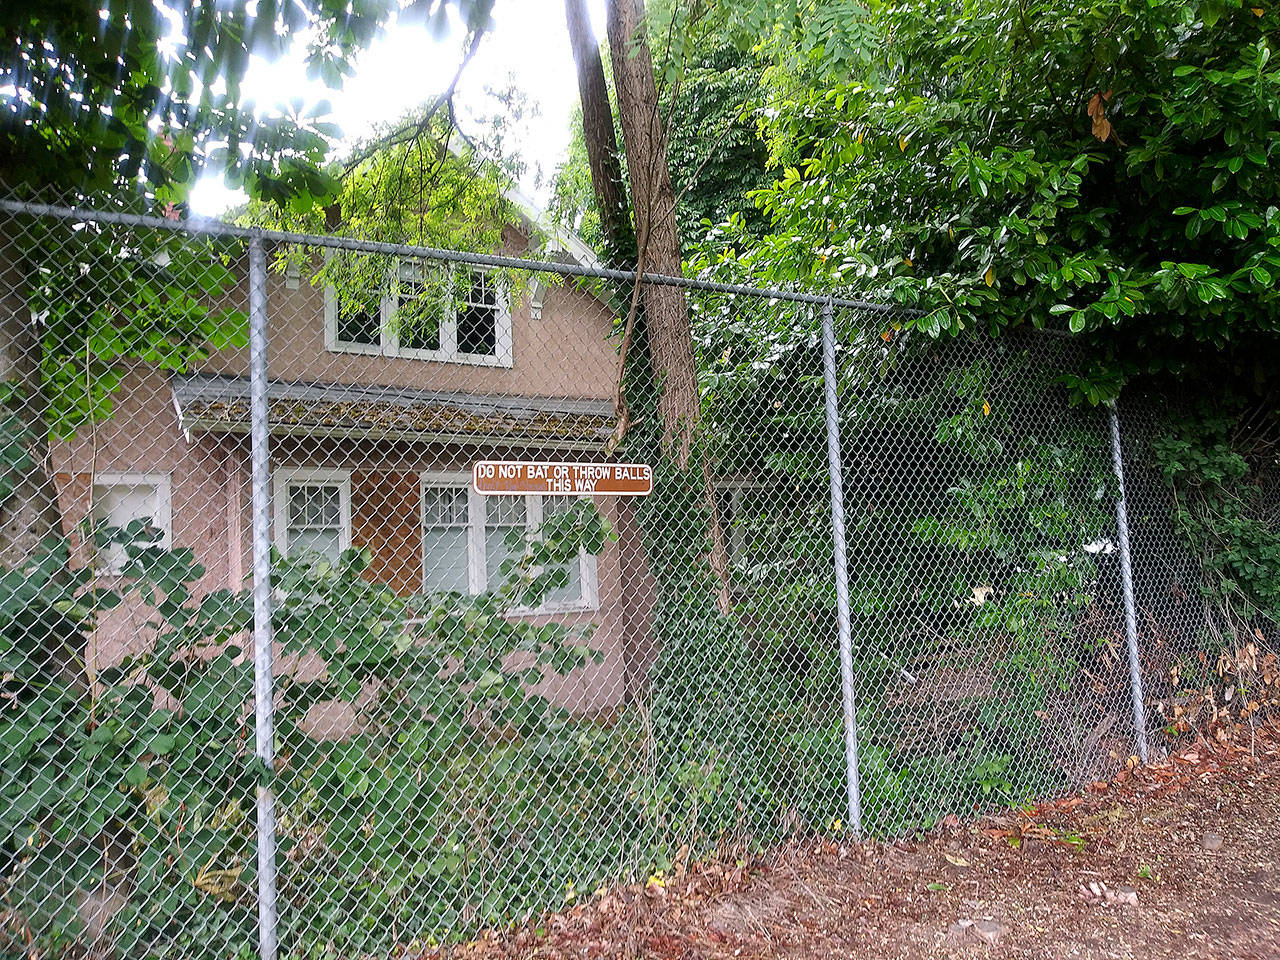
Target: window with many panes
{"points": [[467, 537], [425, 311], [445, 532], [312, 512]]}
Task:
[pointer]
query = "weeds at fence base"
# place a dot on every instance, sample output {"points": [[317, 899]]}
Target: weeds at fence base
{"points": [[1135, 837]]}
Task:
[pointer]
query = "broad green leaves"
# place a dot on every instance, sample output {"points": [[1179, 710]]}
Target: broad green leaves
{"points": [[151, 93], [963, 173], [157, 758]]}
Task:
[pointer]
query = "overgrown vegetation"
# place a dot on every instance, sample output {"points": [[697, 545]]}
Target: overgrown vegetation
{"points": [[1100, 169], [458, 797], [983, 581], [1106, 170], [1221, 465]]}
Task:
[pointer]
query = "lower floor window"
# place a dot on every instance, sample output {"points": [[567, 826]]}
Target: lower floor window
{"points": [[312, 512], [446, 530], [467, 538], [126, 501]]}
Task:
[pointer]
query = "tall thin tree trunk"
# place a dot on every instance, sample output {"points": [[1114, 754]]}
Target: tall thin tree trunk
{"points": [[29, 512], [636, 602], [666, 310], [597, 130]]}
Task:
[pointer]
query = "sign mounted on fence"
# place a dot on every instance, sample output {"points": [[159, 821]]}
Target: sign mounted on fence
{"points": [[565, 479]]}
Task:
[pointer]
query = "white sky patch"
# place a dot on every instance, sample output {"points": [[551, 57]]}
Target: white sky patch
{"points": [[406, 67]]}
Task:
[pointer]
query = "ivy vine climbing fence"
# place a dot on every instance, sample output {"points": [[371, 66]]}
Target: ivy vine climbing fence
{"points": [[285, 673]]}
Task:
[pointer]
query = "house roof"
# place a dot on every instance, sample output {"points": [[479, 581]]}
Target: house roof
{"points": [[558, 240], [220, 404]]}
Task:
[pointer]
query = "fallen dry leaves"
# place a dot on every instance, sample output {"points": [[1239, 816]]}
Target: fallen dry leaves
{"points": [[1124, 869]]}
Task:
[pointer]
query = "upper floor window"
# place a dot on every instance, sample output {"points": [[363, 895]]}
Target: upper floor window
{"points": [[426, 311]]}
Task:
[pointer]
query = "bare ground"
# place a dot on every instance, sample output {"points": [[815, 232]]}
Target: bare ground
{"points": [[1178, 859]]}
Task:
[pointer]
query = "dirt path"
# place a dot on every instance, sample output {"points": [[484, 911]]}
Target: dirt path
{"points": [[1177, 860]]}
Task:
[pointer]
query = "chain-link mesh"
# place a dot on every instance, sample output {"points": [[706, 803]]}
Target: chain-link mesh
{"points": [[1205, 602], [985, 577], [486, 706], [126, 720]]}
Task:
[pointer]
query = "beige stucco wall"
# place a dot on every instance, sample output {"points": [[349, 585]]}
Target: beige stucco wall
{"points": [[208, 479], [566, 353]]}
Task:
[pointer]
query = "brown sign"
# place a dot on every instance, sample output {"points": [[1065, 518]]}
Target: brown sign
{"points": [[565, 479]]}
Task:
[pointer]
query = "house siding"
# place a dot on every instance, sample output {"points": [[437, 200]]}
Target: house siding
{"points": [[210, 490], [569, 352], [386, 518]]}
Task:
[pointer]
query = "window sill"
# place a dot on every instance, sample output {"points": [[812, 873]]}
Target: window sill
{"points": [[433, 356], [552, 609]]}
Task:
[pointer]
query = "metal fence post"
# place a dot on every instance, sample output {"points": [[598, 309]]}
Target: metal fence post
{"points": [[1126, 581], [847, 700], [263, 684]]}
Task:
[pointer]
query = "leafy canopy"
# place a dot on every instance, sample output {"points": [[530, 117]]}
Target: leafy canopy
{"points": [[708, 83], [96, 93], [1104, 169]]}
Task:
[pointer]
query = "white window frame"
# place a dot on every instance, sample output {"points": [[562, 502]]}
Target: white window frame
{"points": [[162, 483], [285, 477], [389, 341], [476, 548], [331, 341]]}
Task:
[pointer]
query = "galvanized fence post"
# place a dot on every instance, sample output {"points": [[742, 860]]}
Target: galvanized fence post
{"points": [[1126, 581], [263, 682], [848, 701]]}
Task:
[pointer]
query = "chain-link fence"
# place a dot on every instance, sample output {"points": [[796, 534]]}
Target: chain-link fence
{"points": [[285, 671]]}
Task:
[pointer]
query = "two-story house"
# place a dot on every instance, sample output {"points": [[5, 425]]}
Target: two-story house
{"points": [[375, 422]]}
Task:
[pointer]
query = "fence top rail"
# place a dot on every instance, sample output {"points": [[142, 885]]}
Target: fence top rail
{"points": [[212, 227]]}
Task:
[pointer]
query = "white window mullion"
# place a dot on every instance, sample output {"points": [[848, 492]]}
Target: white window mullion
{"points": [[476, 541], [390, 337], [449, 319], [590, 588], [503, 334]]}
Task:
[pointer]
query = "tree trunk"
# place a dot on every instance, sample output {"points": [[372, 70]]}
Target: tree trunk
{"points": [[666, 311], [635, 584], [29, 512], [597, 130]]}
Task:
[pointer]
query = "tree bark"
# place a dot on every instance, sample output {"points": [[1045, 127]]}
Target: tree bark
{"points": [[635, 584], [29, 514], [653, 201], [603, 158], [666, 310]]}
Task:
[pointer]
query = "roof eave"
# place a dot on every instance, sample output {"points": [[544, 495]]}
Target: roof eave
{"points": [[193, 425]]}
